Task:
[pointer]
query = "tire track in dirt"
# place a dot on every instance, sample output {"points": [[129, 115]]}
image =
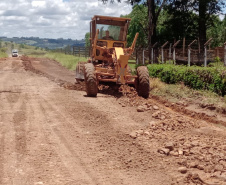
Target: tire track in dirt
{"points": [[13, 108], [19, 121], [117, 153], [11, 159], [63, 130], [53, 150], [2, 148]]}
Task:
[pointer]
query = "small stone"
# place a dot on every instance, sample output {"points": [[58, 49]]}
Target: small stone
{"points": [[219, 167], [139, 132], [221, 177], [162, 117], [180, 152], [175, 154], [155, 107], [193, 165], [140, 109], [194, 143], [38, 183], [208, 169], [167, 104], [182, 169], [152, 123], [156, 114], [170, 146], [133, 135], [147, 133], [200, 167], [164, 151]]}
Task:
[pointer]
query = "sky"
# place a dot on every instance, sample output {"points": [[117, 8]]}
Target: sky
{"points": [[53, 18]]}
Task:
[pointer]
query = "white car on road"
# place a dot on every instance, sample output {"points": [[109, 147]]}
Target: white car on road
{"points": [[14, 53]]}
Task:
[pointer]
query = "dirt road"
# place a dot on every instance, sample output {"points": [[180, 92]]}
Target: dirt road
{"points": [[51, 134]]}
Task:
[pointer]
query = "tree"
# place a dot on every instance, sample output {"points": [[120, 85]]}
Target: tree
{"points": [[217, 32], [87, 41], [139, 25], [205, 9], [180, 21], [154, 8]]}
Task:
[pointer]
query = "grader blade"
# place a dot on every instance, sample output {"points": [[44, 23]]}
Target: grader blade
{"points": [[122, 65]]}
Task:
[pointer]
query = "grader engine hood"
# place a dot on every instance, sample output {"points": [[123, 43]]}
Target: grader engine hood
{"points": [[122, 65]]}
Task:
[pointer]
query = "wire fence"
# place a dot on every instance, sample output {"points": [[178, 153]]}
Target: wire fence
{"points": [[182, 52]]}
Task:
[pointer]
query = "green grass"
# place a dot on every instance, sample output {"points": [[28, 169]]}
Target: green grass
{"points": [[68, 61], [3, 53]]}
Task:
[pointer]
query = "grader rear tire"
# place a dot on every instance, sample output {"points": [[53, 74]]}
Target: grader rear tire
{"points": [[90, 80], [143, 86]]}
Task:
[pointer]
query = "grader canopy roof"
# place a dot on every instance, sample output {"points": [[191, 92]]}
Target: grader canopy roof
{"points": [[116, 26]]}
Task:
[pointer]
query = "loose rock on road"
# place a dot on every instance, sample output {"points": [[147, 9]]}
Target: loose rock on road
{"points": [[53, 135]]}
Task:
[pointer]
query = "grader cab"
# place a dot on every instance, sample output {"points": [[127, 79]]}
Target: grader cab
{"points": [[109, 57]]}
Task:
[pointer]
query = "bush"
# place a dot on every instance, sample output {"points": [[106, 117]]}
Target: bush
{"points": [[3, 53], [212, 79]]}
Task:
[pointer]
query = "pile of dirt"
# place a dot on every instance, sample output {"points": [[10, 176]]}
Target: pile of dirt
{"points": [[187, 144], [27, 63]]}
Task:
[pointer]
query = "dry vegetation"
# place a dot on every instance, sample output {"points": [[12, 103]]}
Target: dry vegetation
{"points": [[179, 92]]}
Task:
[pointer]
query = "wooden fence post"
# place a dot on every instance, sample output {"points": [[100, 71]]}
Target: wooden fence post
{"points": [[225, 54], [205, 52], [189, 52], [152, 52], [184, 46], [162, 47], [189, 56], [174, 51], [143, 57], [170, 47], [205, 56], [152, 55]]}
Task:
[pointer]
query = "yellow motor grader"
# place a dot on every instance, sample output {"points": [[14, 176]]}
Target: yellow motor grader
{"points": [[109, 57]]}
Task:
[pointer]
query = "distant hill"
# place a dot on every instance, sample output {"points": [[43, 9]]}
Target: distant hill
{"points": [[45, 42]]}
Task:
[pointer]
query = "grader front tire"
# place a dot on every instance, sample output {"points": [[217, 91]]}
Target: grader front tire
{"points": [[143, 86], [90, 80]]}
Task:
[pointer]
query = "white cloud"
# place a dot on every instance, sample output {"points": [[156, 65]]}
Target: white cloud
{"points": [[53, 18], [38, 3]]}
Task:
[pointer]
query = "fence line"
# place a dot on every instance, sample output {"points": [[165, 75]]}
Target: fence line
{"points": [[188, 53]]}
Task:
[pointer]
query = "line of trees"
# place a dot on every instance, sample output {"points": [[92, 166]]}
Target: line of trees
{"points": [[157, 20]]}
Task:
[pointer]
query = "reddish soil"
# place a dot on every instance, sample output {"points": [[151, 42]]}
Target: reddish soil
{"points": [[51, 133]]}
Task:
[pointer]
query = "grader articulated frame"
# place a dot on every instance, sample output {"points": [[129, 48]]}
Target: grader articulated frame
{"points": [[109, 57]]}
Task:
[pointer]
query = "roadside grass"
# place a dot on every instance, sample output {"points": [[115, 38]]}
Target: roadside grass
{"points": [[68, 61], [32, 51], [179, 92], [3, 53]]}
